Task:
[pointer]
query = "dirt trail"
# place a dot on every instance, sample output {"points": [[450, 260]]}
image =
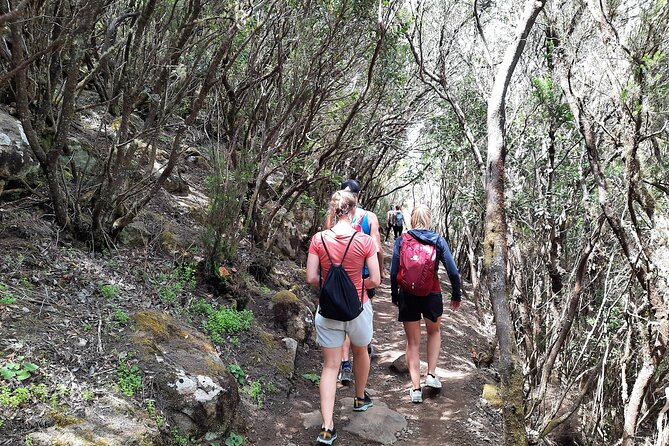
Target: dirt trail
{"points": [[454, 416]]}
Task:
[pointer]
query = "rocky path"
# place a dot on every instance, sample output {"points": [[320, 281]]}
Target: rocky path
{"points": [[454, 416]]}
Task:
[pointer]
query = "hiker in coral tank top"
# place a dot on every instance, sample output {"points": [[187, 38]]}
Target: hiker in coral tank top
{"points": [[415, 289], [330, 251]]}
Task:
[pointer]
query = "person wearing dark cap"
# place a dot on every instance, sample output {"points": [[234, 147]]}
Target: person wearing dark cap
{"points": [[368, 223]]}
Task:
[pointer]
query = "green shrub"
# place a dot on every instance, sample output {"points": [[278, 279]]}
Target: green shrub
{"points": [[178, 439], [151, 407], [314, 378], [129, 377], [171, 285], [87, 395], [20, 370], [17, 397], [238, 373], [255, 391], [227, 321], [201, 306], [6, 296], [234, 439], [121, 316], [109, 291]]}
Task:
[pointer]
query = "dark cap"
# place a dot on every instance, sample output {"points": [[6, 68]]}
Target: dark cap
{"points": [[351, 186]]}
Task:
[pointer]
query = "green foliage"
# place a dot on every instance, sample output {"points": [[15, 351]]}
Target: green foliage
{"points": [[548, 96], [128, 376], [255, 392], [314, 378], [17, 397], [171, 286], [25, 283], [20, 370], [109, 291], [177, 438], [87, 395], [234, 439], [121, 316], [6, 296], [222, 231], [202, 307], [238, 373], [151, 407], [270, 387], [227, 321], [29, 440]]}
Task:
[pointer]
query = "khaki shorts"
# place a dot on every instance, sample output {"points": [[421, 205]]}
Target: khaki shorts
{"points": [[331, 333]]}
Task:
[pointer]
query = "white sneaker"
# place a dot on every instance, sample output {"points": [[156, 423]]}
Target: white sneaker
{"points": [[416, 396], [432, 381]]}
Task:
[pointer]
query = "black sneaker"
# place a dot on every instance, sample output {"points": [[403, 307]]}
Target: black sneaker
{"points": [[327, 436], [362, 404], [370, 351]]}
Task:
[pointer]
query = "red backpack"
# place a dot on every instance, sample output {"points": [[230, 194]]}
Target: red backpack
{"points": [[417, 263]]}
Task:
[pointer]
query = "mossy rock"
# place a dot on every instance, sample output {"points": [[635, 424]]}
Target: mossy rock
{"points": [[267, 340], [160, 331], [285, 297], [491, 395], [111, 422], [285, 305], [168, 241], [194, 388], [61, 419]]}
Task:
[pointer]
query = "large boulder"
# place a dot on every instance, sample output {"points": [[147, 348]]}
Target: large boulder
{"points": [[195, 389], [111, 421], [16, 157], [293, 315]]}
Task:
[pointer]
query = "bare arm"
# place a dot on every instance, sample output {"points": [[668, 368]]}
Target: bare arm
{"points": [[313, 270], [374, 232], [374, 278]]}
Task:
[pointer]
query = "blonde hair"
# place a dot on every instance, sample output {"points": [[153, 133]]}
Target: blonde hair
{"points": [[421, 217], [342, 204]]}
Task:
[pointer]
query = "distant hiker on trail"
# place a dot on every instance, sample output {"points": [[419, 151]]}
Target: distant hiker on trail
{"points": [[368, 223], [415, 289], [335, 261], [390, 221], [398, 224]]}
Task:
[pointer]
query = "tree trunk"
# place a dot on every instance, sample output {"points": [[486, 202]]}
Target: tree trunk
{"points": [[495, 239]]}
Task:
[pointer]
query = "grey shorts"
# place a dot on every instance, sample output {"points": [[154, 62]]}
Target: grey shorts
{"points": [[331, 333]]}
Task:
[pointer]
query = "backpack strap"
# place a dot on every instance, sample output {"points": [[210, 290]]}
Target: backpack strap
{"points": [[347, 246], [362, 285], [345, 252]]}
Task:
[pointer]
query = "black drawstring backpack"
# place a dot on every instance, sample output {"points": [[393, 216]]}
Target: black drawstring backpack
{"points": [[339, 299]]}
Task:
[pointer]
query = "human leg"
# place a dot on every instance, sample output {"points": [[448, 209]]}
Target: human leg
{"points": [[433, 344], [328, 384], [412, 331], [360, 331], [432, 308], [345, 372], [361, 363]]}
